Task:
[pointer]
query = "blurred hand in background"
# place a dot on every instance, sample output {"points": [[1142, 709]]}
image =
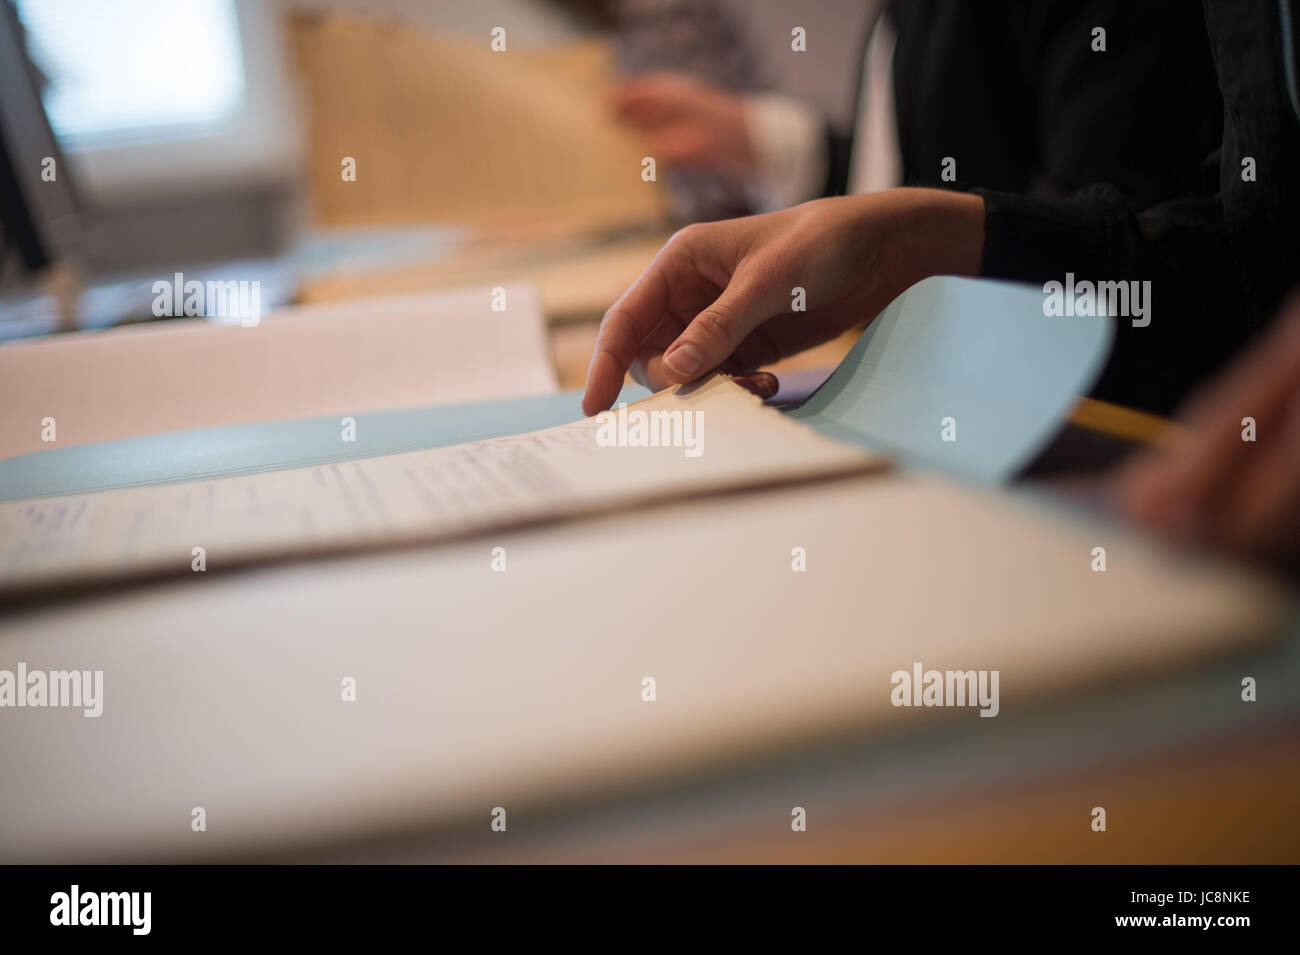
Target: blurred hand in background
{"points": [[688, 122], [1221, 481]]}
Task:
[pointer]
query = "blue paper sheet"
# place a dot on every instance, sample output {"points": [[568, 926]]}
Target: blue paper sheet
{"points": [[977, 352]]}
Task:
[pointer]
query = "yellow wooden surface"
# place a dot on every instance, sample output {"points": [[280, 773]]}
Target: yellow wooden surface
{"points": [[1221, 804]]}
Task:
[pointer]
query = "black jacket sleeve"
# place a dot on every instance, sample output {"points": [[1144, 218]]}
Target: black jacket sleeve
{"points": [[1180, 247], [1218, 264], [1019, 96]]}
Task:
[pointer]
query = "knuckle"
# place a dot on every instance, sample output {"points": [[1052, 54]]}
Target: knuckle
{"points": [[688, 234], [775, 267], [715, 323], [605, 353], [616, 314]]}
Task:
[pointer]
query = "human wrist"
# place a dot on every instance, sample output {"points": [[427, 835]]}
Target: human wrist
{"points": [[933, 232]]}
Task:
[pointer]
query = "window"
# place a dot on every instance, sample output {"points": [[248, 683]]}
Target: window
{"points": [[133, 71]]}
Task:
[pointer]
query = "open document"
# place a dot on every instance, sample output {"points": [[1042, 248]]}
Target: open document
{"points": [[342, 358], [707, 437]]}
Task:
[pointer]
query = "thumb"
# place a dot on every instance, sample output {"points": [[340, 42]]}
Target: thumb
{"points": [[714, 333]]}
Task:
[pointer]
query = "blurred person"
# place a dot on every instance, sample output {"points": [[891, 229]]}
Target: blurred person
{"points": [[694, 43], [1012, 94], [717, 296], [709, 79]]}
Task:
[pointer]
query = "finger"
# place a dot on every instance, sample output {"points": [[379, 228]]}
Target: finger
{"points": [[1149, 492], [1257, 385], [644, 375], [1197, 467], [627, 325], [1259, 514], [1142, 490], [1181, 487], [622, 330], [682, 143], [649, 371], [715, 333], [643, 110], [1263, 517], [648, 99], [761, 383], [1266, 373]]}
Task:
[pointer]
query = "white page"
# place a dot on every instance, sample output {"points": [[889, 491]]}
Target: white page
{"points": [[342, 358], [720, 436]]}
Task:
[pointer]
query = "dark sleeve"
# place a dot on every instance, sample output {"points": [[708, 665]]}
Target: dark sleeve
{"points": [[1014, 95], [1255, 48], [1140, 114], [1219, 265], [1179, 246], [839, 149]]}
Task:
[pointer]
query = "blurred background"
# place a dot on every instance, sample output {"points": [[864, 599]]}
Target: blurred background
{"points": [[330, 147]]}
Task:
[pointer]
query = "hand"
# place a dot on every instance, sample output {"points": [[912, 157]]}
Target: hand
{"points": [[720, 295], [1208, 484], [688, 122]]}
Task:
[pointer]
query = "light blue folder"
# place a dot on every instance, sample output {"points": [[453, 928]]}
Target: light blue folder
{"points": [[980, 353]]}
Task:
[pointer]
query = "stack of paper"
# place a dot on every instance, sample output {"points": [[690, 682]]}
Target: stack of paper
{"points": [[342, 358], [706, 437]]}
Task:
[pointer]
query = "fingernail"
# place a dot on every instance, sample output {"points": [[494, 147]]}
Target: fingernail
{"points": [[684, 360], [760, 383]]}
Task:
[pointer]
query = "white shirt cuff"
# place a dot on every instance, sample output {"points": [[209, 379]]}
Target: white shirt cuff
{"points": [[789, 143]]}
